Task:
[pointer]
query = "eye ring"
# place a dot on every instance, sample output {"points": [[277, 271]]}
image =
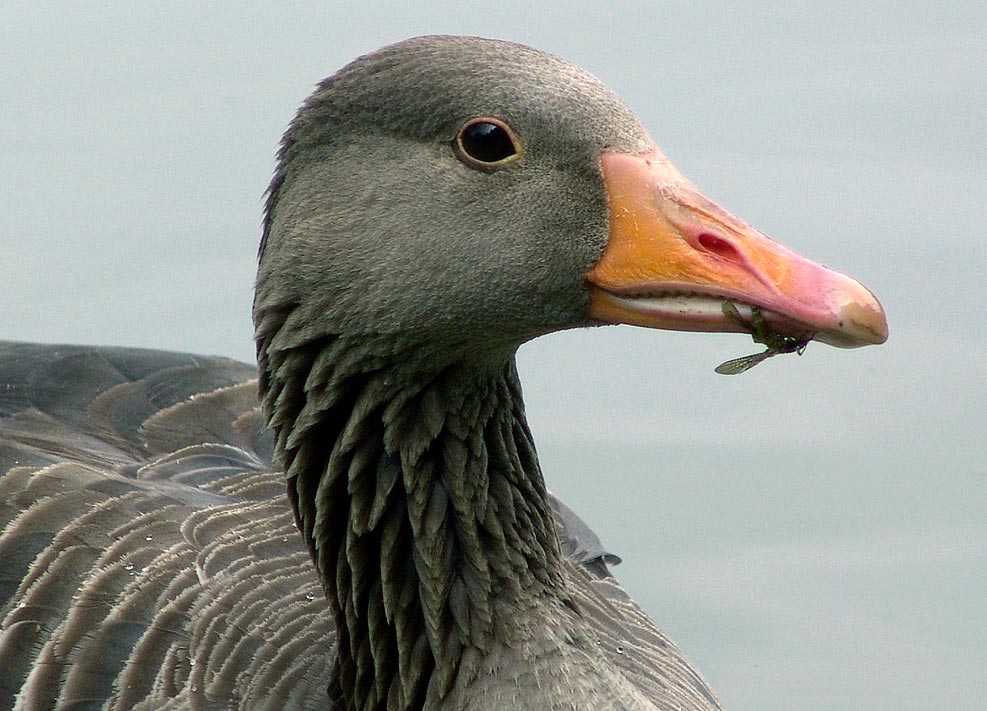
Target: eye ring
{"points": [[487, 143]]}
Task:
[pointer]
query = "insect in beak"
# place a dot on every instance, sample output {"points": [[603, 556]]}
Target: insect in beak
{"points": [[761, 333]]}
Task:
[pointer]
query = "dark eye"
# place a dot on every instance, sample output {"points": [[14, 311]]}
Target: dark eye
{"points": [[486, 144]]}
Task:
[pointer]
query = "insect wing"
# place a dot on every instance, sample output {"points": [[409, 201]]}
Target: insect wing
{"points": [[736, 366]]}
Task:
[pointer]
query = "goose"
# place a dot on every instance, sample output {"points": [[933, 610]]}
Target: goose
{"points": [[360, 522]]}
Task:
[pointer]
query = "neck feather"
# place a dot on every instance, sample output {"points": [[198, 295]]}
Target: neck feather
{"points": [[415, 484]]}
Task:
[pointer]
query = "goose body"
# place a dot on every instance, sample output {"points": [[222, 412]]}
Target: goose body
{"points": [[373, 531]]}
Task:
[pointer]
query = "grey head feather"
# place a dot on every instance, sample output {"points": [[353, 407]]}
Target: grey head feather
{"points": [[387, 231]]}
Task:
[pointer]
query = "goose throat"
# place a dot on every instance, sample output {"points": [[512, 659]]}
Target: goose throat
{"points": [[418, 493]]}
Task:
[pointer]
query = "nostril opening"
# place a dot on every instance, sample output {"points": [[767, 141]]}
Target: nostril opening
{"points": [[719, 246]]}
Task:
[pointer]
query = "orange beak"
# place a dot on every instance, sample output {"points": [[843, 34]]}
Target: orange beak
{"points": [[674, 256]]}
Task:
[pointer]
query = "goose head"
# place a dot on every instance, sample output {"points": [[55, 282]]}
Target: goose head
{"points": [[473, 194], [436, 204]]}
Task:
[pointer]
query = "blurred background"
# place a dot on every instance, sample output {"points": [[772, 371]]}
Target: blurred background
{"points": [[814, 532]]}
